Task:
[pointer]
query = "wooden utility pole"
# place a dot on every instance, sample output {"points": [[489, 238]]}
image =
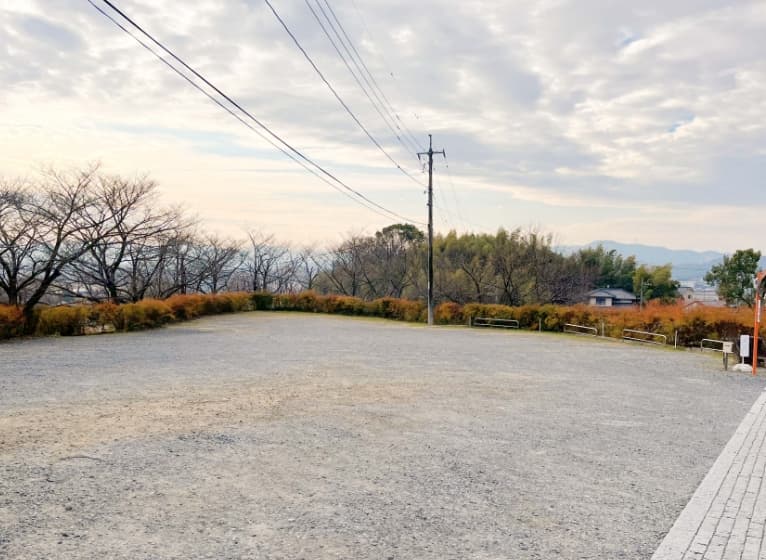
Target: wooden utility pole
{"points": [[430, 153]]}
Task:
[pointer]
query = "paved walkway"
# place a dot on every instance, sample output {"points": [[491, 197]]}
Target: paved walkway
{"points": [[725, 517]]}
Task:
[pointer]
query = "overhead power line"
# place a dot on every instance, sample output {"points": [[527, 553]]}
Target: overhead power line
{"points": [[390, 73], [290, 151], [412, 137], [451, 218], [376, 105], [371, 83], [245, 123], [335, 93], [467, 224], [454, 193], [441, 204]]}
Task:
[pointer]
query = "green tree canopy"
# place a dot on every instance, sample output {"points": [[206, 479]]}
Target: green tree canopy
{"points": [[734, 277], [608, 269], [407, 233], [655, 282]]}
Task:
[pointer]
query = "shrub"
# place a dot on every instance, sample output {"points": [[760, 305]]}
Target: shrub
{"points": [[104, 314], [72, 320], [185, 307], [344, 305], [262, 300], [401, 309], [304, 301], [63, 320], [690, 325], [189, 306], [448, 313], [210, 305], [157, 312], [146, 314], [390, 308], [279, 302], [11, 321], [238, 301]]}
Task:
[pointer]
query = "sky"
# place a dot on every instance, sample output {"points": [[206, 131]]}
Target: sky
{"points": [[641, 122]]}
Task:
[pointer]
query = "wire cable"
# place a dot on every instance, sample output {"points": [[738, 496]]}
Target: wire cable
{"points": [[391, 74], [413, 147], [353, 74], [444, 215], [236, 116], [466, 223], [454, 193], [368, 203], [418, 146], [335, 93]]}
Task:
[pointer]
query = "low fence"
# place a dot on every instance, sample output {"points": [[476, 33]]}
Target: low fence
{"points": [[493, 322], [716, 345], [571, 328], [632, 335], [644, 336], [723, 346]]}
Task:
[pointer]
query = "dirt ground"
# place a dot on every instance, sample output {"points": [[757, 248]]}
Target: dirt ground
{"points": [[303, 436]]}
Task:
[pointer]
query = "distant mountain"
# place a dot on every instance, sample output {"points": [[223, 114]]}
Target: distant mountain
{"points": [[687, 265], [654, 255]]}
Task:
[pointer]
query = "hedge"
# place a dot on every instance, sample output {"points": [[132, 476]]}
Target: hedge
{"points": [[690, 325], [69, 320]]}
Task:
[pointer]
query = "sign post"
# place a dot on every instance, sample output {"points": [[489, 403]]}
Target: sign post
{"points": [[744, 347]]}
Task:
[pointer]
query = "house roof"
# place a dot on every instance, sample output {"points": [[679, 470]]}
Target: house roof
{"points": [[614, 293]]}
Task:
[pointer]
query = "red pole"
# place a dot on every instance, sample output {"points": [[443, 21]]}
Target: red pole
{"points": [[759, 279], [756, 327]]}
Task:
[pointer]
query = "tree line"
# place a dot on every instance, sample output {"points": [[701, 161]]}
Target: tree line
{"points": [[91, 236], [508, 267]]}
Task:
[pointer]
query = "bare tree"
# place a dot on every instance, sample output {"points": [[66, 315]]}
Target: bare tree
{"points": [[272, 266], [384, 265], [308, 268], [342, 271], [45, 228], [509, 262], [175, 265], [394, 259], [18, 223], [216, 260], [124, 244]]}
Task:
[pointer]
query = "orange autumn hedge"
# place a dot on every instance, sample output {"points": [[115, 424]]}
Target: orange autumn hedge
{"points": [[11, 322], [387, 308], [68, 320], [691, 325]]}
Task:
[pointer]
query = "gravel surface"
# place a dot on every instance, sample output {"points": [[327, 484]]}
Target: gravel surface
{"points": [[304, 436]]}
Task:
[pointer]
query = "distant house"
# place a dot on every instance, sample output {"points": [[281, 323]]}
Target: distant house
{"points": [[694, 296], [611, 297]]}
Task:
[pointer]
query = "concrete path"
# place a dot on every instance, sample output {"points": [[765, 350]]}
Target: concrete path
{"points": [[725, 517]]}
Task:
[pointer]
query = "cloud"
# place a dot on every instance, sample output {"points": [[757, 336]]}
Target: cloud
{"points": [[572, 110]]}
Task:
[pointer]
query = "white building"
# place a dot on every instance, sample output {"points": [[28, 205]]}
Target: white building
{"points": [[700, 295]]}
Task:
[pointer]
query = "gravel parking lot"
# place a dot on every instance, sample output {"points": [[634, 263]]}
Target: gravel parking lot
{"points": [[272, 436]]}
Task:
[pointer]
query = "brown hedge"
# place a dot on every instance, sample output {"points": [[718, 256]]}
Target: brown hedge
{"points": [[690, 325]]}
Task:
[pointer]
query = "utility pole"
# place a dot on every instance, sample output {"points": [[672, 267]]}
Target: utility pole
{"points": [[430, 153]]}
